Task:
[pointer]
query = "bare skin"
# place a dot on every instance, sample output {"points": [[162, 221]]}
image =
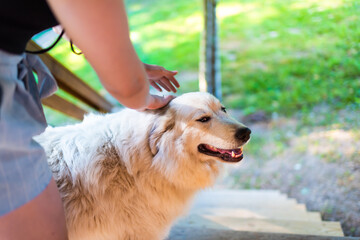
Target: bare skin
{"points": [[41, 218]]}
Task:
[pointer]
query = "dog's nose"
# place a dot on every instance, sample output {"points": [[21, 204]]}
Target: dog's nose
{"points": [[243, 134]]}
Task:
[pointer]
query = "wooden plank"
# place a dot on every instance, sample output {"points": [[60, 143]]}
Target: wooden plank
{"points": [[190, 233], [262, 225], [70, 83], [57, 103]]}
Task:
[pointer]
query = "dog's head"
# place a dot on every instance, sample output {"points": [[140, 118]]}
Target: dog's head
{"points": [[194, 135]]}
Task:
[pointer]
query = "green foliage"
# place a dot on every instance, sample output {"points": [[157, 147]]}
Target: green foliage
{"points": [[166, 33], [277, 56], [291, 55]]}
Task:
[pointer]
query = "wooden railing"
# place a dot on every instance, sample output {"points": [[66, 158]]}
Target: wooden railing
{"points": [[73, 85]]}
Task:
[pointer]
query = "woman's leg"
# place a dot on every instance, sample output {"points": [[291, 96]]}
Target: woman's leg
{"points": [[30, 204], [41, 218]]}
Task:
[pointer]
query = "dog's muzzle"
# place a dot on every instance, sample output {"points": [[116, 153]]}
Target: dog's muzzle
{"points": [[227, 155]]}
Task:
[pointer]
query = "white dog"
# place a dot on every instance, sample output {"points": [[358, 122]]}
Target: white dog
{"points": [[129, 175]]}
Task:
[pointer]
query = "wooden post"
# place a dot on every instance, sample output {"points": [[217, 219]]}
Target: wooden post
{"points": [[209, 69]]}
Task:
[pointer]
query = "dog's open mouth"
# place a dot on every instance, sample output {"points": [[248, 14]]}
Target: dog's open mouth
{"points": [[228, 155]]}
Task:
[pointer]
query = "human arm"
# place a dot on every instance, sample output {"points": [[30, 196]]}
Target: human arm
{"points": [[157, 76], [100, 29]]}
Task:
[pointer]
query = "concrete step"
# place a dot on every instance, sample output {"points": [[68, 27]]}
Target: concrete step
{"points": [[190, 233], [261, 204], [235, 198], [259, 213], [260, 225]]}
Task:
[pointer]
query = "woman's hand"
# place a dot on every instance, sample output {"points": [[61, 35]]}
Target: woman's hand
{"points": [[160, 76], [156, 102]]}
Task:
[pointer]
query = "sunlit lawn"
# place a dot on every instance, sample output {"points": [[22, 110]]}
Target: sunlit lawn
{"points": [[292, 55], [277, 56]]}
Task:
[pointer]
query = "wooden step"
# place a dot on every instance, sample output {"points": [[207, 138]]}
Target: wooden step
{"points": [[234, 198], [261, 225], [209, 201], [251, 204], [255, 211], [259, 213], [190, 233]]}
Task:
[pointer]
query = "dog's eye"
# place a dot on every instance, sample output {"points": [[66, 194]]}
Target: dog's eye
{"points": [[223, 109], [204, 119]]}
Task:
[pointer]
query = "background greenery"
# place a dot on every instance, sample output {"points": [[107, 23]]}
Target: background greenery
{"points": [[277, 56]]}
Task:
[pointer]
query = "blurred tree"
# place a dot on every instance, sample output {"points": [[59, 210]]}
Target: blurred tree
{"points": [[209, 74]]}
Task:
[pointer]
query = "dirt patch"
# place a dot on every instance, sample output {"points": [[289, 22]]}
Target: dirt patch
{"points": [[319, 165]]}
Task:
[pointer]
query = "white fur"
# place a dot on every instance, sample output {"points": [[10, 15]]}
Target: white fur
{"points": [[129, 175]]}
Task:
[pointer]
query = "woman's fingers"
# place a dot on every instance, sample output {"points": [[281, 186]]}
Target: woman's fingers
{"points": [[170, 76], [159, 78], [163, 85], [152, 83], [165, 81]]}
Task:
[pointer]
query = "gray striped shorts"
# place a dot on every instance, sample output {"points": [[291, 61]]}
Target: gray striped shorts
{"points": [[24, 172]]}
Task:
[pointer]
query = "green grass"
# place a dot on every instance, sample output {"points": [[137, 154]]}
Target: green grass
{"points": [[166, 32], [277, 56], [292, 55]]}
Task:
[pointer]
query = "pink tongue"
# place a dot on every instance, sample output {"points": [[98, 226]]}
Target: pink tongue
{"points": [[236, 151], [231, 152], [224, 151]]}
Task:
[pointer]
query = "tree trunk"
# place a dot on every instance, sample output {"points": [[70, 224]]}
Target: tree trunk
{"points": [[209, 75]]}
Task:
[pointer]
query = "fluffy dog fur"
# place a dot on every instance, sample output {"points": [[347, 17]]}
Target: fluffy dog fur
{"points": [[129, 175]]}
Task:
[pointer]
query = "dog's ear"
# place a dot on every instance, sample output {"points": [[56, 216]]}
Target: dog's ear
{"points": [[163, 124]]}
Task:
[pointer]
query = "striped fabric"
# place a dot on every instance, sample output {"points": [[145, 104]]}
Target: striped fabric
{"points": [[24, 173]]}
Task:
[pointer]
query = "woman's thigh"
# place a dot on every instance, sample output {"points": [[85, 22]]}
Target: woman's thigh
{"points": [[41, 218]]}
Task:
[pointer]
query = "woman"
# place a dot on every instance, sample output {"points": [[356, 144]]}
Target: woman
{"points": [[30, 205]]}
